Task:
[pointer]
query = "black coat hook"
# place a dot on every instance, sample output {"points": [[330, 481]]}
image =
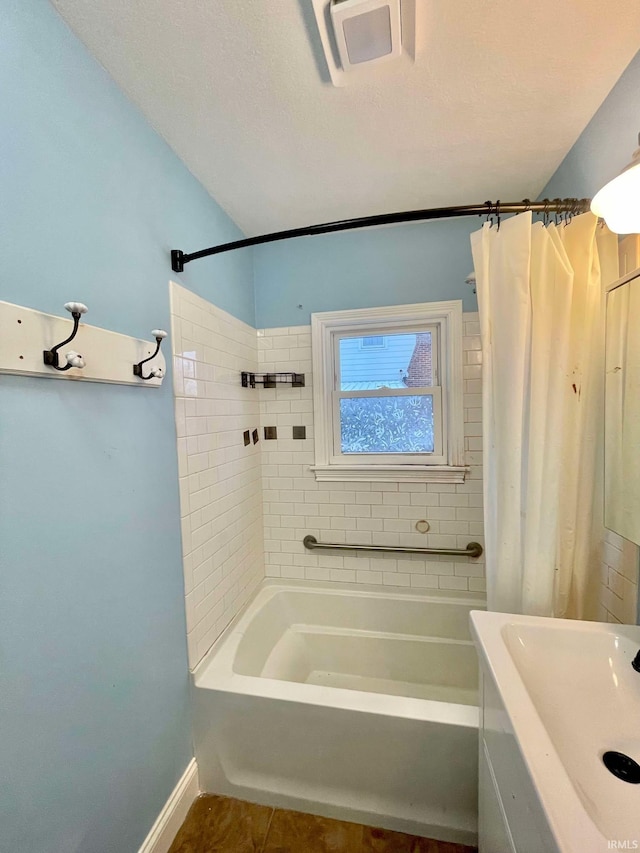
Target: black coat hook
{"points": [[74, 359], [155, 372]]}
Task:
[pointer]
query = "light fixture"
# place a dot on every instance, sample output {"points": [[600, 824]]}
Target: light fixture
{"points": [[366, 31], [618, 202]]}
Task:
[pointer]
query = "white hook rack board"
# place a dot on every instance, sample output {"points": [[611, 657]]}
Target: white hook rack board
{"points": [[109, 356]]}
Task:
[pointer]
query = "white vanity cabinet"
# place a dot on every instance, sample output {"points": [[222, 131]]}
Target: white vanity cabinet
{"points": [[511, 819], [559, 748]]}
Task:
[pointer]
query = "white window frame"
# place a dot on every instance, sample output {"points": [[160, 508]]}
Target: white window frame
{"points": [[446, 463]]}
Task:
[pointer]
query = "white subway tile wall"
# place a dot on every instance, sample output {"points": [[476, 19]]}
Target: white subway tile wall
{"points": [[245, 510], [363, 513], [619, 580], [220, 478]]}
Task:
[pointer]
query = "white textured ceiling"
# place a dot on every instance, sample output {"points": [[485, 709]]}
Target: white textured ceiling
{"points": [[499, 92]]}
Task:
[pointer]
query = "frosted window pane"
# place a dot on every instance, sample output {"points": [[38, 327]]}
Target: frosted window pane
{"points": [[386, 424], [395, 361]]}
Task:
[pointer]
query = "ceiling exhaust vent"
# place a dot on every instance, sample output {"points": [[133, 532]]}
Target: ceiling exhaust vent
{"points": [[358, 36], [366, 30]]}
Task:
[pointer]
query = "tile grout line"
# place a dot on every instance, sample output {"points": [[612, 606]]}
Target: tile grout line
{"points": [[266, 835]]}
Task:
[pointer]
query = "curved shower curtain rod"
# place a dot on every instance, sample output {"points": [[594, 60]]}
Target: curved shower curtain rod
{"points": [[489, 209]]}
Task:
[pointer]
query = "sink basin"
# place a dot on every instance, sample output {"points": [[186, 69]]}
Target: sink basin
{"points": [[571, 695]]}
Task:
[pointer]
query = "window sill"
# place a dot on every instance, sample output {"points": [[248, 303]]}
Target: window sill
{"points": [[389, 473]]}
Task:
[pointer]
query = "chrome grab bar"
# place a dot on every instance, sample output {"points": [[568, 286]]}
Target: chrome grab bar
{"points": [[473, 549]]}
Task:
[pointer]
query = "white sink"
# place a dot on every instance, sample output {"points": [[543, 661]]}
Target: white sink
{"points": [[571, 695]]}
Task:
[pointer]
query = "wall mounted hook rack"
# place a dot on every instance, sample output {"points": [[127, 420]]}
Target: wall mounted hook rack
{"points": [[26, 334], [270, 380], [73, 358], [154, 372]]}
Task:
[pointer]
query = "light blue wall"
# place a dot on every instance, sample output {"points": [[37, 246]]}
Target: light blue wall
{"points": [[363, 269], [417, 263], [94, 714], [606, 144]]}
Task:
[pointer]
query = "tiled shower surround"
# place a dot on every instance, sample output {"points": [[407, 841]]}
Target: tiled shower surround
{"points": [[619, 579], [220, 478], [246, 509], [363, 513]]}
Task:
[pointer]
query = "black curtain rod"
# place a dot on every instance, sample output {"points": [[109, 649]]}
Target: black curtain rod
{"points": [[489, 208]]}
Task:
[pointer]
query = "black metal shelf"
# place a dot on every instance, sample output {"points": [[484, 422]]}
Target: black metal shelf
{"points": [[271, 380]]}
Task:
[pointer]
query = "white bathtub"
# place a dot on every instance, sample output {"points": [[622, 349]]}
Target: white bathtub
{"points": [[360, 705]]}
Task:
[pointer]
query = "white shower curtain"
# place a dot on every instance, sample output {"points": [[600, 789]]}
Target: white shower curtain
{"points": [[540, 302]]}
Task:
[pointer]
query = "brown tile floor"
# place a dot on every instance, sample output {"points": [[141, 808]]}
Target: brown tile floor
{"points": [[223, 825]]}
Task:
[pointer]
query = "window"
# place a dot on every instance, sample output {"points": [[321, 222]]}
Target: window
{"points": [[387, 399], [388, 393]]}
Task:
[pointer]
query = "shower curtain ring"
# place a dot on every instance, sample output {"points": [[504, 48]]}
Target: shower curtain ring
{"points": [[498, 214], [489, 219], [571, 211], [568, 213]]}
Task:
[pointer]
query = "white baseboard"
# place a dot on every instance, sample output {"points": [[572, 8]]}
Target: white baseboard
{"points": [[175, 810]]}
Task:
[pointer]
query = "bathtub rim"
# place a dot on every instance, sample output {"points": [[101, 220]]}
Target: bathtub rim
{"points": [[215, 671]]}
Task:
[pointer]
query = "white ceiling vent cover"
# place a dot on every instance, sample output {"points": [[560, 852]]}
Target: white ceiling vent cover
{"points": [[358, 36], [366, 31]]}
